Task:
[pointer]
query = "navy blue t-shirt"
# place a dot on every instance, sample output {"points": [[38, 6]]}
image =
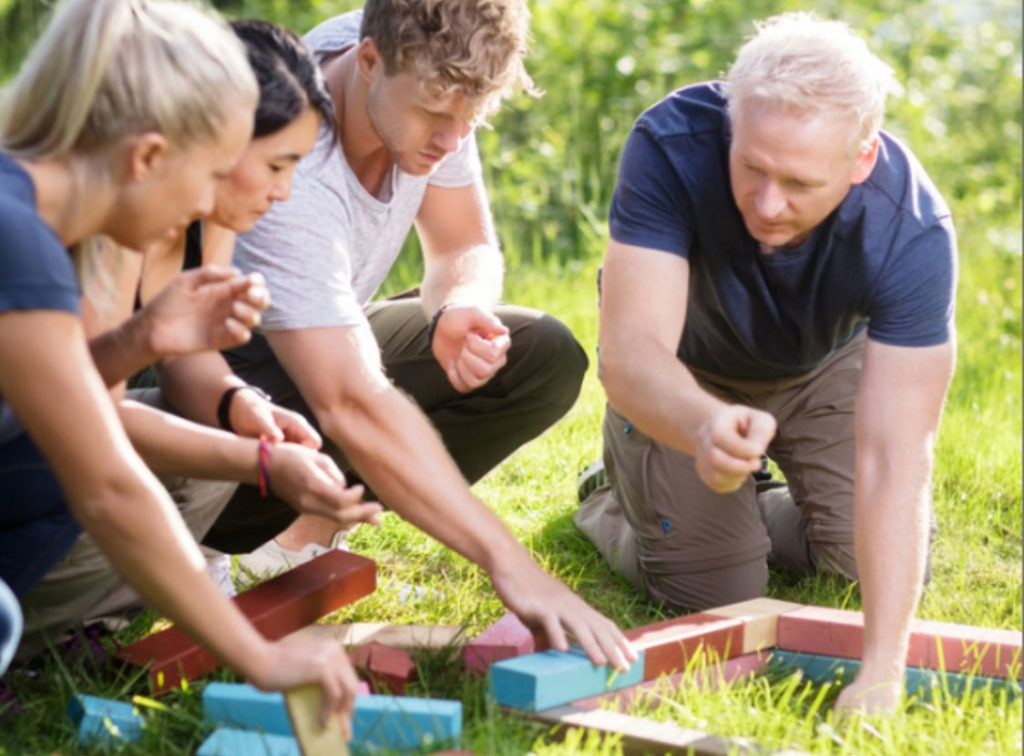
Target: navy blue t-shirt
{"points": [[35, 269], [885, 259]]}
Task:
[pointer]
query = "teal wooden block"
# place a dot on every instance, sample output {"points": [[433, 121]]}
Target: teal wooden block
{"points": [[245, 707], [399, 723], [551, 678], [925, 682], [389, 723], [230, 742], [101, 720]]}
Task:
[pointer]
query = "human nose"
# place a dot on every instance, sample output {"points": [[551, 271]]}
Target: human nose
{"points": [[451, 135], [207, 201], [281, 189], [770, 199]]}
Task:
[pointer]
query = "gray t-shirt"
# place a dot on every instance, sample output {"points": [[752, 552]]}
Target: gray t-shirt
{"points": [[326, 250]]}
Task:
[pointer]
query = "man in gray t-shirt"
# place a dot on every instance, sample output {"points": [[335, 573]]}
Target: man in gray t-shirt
{"points": [[410, 82]]}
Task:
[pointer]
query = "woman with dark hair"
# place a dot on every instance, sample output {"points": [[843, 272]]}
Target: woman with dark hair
{"points": [[207, 464]]}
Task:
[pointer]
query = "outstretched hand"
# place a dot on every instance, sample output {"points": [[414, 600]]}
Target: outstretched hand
{"points": [[730, 444], [541, 601], [209, 308], [470, 345]]}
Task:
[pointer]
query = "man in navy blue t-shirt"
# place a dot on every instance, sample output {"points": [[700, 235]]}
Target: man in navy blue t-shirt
{"points": [[780, 280]]}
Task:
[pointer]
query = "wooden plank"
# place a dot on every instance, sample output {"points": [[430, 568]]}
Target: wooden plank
{"points": [[669, 645], [407, 638], [276, 608], [760, 617], [303, 705]]}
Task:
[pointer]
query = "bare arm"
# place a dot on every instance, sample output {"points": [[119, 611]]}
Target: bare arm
{"points": [[464, 270], [49, 381], [400, 456], [643, 311], [899, 403]]}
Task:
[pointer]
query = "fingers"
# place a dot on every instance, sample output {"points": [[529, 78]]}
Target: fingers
{"points": [[296, 428]]}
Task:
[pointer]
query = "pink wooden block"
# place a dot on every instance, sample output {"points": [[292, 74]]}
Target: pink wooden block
{"points": [[968, 649], [838, 632], [668, 645], [504, 639], [363, 688]]}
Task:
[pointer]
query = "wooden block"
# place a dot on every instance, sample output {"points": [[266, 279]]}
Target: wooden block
{"points": [[394, 723], [363, 689], [403, 637], [230, 742], [303, 705], [708, 678], [245, 707], [504, 639], [101, 721], [647, 736], [760, 619], [277, 607], [388, 669], [551, 678], [838, 632], [967, 649], [668, 646], [378, 722]]}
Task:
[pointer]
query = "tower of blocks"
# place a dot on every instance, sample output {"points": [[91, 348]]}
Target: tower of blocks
{"points": [[565, 689]]}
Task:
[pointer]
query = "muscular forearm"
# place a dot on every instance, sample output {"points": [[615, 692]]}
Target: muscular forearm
{"points": [[174, 446], [402, 459], [891, 539], [471, 276], [122, 351], [194, 384]]}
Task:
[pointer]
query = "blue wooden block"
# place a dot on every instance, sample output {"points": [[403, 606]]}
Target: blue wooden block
{"points": [[925, 682], [397, 723], [552, 678], [101, 720], [230, 742], [246, 708], [391, 723]]}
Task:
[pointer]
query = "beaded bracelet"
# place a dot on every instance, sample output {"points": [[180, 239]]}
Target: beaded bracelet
{"points": [[265, 455]]}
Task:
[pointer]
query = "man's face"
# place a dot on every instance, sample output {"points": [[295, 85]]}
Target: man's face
{"points": [[789, 172], [417, 130]]}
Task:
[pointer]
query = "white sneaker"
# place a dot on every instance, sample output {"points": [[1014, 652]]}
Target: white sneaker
{"points": [[272, 558], [219, 569]]}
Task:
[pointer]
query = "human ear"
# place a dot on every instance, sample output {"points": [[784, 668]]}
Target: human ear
{"points": [[369, 59], [147, 153], [866, 161]]}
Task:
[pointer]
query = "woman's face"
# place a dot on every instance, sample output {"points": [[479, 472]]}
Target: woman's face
{"points": [[169, 187], [263, 174]]}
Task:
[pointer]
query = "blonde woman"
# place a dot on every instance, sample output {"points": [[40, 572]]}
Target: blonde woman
{"points": [[122, 119]]}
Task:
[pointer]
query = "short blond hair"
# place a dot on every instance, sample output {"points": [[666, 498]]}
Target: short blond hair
{"points": [[473, 47], [805, 65]]}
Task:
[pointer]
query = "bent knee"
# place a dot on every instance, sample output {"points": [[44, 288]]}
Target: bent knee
{"points": [[835, 557], [553, 355]]}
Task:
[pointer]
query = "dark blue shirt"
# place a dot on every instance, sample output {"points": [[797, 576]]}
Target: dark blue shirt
{"points": [[885, 259], [35, 269]]}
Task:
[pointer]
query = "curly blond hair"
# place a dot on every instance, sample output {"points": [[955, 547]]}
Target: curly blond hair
{"points": [[473, 47]]}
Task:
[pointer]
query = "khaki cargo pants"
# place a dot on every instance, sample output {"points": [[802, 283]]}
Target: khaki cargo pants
{"points": [[663, 529]]}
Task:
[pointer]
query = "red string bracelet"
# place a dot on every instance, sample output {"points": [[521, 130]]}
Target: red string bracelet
{"points": [[264, 465]]}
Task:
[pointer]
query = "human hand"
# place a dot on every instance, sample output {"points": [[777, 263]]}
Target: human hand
{"points": [[253, 416], [209, 308], [470, 345], [541, 601], [294, 662], [730, 444], [869, 695], [313, 484]]}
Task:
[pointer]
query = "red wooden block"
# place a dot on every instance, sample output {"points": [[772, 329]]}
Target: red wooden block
{"points": [[967, 649], [275, 608], [668, 645], [387, 668], [504, 639], [838, 632]]}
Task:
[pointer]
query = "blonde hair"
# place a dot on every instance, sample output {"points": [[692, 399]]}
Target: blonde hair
{"points": [[474, 47], [106, 69], [805, 65]]}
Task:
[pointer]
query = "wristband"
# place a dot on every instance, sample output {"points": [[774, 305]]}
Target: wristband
{"points": [[224, 405], [432, 328], [265, 455]]}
